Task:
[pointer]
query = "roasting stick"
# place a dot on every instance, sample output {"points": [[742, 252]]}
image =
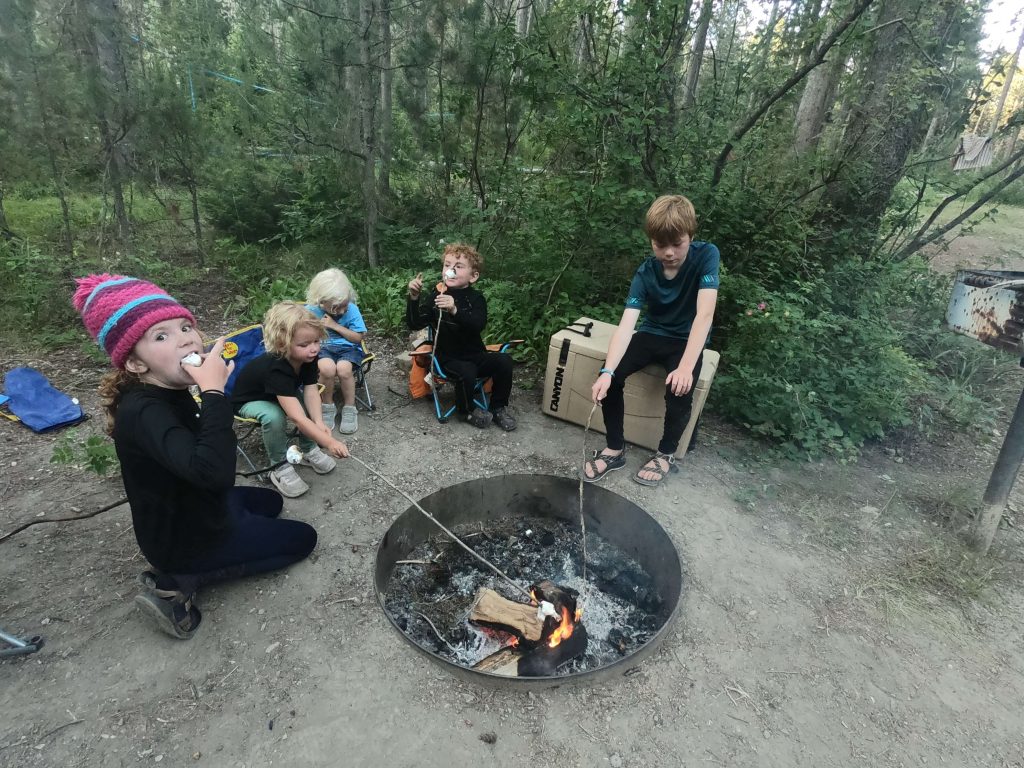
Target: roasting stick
{"points": [[454, 538], [583, 523]]}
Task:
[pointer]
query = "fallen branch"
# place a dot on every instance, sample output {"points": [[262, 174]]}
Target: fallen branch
{"points": [[42, 520]]}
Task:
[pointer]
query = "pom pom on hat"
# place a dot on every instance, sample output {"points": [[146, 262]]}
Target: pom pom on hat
{"points": [[116, 311]]}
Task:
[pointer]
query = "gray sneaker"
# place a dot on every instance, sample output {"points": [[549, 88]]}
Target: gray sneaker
{"points": [[349, 420], [318, 460], [330, 411], [288, 482]]}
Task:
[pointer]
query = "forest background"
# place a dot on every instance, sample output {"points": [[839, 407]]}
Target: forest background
{"points": [[249, 145]]}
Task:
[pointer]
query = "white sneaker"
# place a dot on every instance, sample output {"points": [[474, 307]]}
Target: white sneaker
{"points": [[330, 414], [349, 420], [288, 482], [318, 460]]}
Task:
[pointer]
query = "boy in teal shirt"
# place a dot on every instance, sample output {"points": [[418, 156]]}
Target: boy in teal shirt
{"points": [[679, 287]]}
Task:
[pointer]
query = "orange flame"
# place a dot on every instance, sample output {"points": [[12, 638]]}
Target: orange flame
{"points": [[563, 631]]}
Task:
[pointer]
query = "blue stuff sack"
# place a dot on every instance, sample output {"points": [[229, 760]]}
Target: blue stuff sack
{"points": [[34, 400]]}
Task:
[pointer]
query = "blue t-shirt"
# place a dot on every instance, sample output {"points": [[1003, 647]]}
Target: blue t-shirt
{"points": [[352, 319], [672, 304]]}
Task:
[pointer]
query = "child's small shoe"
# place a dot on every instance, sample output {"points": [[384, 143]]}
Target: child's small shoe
{"points": [[504, 419], [288, 482], [330, 411], [349, 420], [318, 460], [480, 418]]}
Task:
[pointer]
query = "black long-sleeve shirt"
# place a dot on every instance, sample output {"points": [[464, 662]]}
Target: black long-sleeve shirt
{"points": [[460, 334], [177, 463]]}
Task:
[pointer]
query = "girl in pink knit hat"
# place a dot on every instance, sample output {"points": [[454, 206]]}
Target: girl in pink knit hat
{"points": [[178, 456]]}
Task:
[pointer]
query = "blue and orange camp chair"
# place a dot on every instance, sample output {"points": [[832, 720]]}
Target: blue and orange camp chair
{"points": [[424, 359]]}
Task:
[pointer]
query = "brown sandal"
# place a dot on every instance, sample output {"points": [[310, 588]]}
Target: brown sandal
{"points": [[653, 466], [611, 463]]}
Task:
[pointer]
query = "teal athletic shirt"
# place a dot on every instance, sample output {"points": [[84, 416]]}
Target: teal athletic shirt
{"points": [[672, 304]]}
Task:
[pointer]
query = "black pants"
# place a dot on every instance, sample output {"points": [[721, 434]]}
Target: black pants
{"points": [[464, 371], [259, 542], [644, 349]]}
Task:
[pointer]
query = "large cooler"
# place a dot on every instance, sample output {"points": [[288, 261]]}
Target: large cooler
{"points": [[574, 360]]}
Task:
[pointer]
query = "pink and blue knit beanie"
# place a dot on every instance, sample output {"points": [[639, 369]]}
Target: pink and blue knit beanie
{"points": [[117, 310]]}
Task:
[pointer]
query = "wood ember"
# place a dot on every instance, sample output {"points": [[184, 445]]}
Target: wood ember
{"points": [[493, 610]]}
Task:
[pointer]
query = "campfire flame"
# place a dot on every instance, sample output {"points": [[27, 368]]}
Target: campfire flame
{"points": [[564, 630]]}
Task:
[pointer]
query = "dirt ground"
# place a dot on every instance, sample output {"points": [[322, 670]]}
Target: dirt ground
{"points": [[812, 631]]}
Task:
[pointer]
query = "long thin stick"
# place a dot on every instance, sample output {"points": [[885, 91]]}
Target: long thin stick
{"points": [[42, 520], [438, 523], [583, 522]]}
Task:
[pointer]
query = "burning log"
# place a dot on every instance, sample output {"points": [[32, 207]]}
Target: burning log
{"points": [[493, 610], [561, 639]]}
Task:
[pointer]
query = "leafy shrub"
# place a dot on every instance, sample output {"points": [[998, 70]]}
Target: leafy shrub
{"points": [[94, 453], [382, 299], [818, 366], [246, 200], [28, 280]]}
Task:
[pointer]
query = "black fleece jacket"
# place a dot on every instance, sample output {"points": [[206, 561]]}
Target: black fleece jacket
{"points": [[178, 464], [460, 334]]}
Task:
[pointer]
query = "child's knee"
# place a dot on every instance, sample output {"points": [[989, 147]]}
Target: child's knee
{"points": [[273, 420], [344, 369], [328, 368]]}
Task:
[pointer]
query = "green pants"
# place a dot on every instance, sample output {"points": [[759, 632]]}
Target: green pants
{"points": [[275, 427]]}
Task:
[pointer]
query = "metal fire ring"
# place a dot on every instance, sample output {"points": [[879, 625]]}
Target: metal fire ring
{"points": [[614, 518]]}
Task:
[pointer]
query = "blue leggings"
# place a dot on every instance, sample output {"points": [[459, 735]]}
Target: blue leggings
{"points": [[258, 542]]}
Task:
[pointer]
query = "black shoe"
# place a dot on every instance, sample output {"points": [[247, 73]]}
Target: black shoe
{"points": [[504, 419], [175, 615], [480, 418]]}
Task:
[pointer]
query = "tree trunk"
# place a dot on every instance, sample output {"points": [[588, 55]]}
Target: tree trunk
{"points": [[193, 192], [524, 14], [815, 101], [368, 129], [933, 125], [883, 128], [48, 141], [1010, 72], [101, 36], [3, 214], [386, 89], [697, 53]]}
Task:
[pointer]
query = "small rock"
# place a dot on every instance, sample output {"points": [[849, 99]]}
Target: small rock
{"points": [[615, 761], [273, 647], [489, 738]]}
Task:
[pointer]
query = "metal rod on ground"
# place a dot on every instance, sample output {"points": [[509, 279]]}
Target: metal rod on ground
{"points": [[440, 525], [21, 647], [1004, 473]]}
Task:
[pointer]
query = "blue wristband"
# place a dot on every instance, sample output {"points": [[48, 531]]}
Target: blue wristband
{"points": [[609, 371]]}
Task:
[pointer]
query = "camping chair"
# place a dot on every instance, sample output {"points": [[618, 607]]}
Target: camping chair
{"points": [[243, 345], [359, 373], [424, 357]]}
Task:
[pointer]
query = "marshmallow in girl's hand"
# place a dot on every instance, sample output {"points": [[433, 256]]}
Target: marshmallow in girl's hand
{"points": [[545, 609], [450, 274], [192, 359], [293, 455]]}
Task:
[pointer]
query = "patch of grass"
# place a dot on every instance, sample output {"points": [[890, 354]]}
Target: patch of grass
{"points": [[952, 507], [923, 580]]}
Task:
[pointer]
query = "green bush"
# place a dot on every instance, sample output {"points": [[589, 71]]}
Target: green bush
{"points": [[247, 199], [817, 367]]}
